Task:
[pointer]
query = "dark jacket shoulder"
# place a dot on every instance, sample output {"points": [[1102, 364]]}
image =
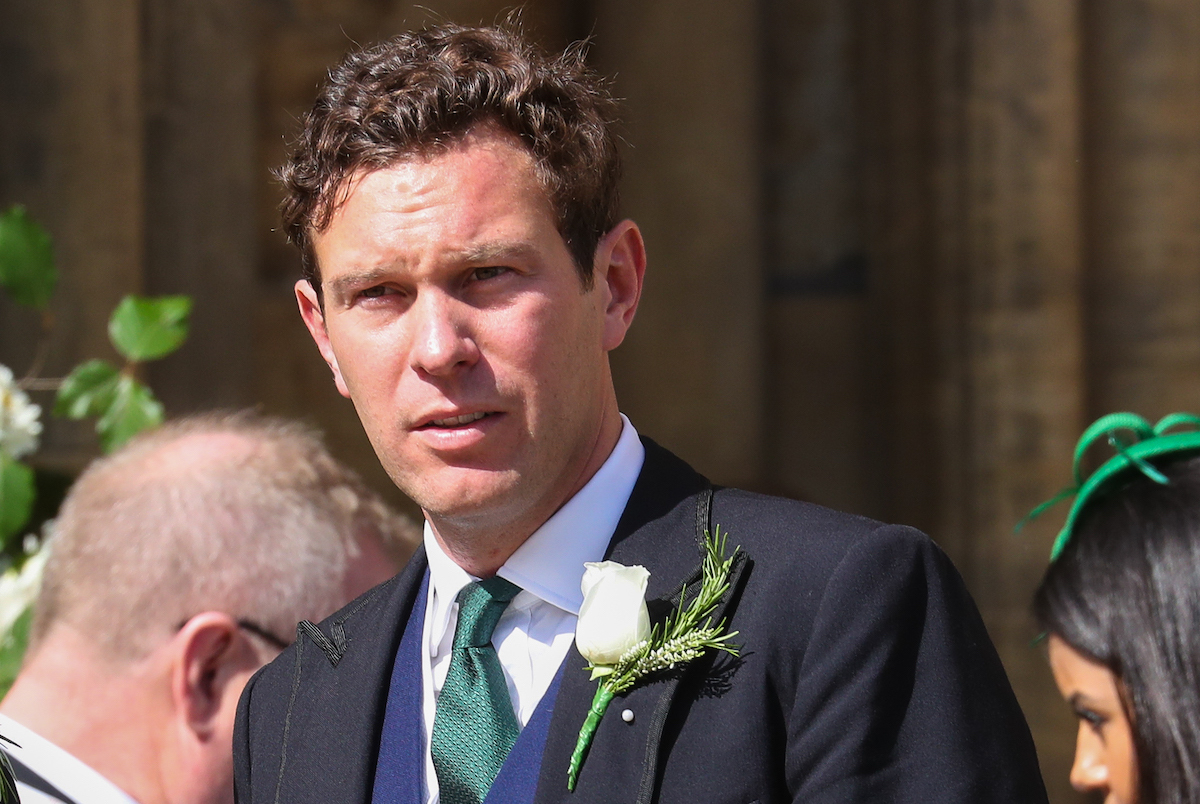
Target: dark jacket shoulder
{"points": [[324, 694]]}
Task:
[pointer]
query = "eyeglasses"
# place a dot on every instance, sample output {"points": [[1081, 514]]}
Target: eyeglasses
{"points": [[262, 632]]}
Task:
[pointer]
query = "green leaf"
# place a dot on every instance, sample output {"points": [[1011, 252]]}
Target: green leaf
{"points": [[124, 406], [26, 259], [12, 649], [89, 390], [16, 496], [147, 329], [133, 410]]}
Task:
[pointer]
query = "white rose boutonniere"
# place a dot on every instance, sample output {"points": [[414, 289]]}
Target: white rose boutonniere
{"points": [[614, 633], [613, 617]]}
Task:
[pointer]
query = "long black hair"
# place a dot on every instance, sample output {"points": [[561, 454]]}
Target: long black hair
{"points": [[1126, 592]]}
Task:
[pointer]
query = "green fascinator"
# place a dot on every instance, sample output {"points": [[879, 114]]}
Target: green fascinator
{"points": [[1138, 447]]}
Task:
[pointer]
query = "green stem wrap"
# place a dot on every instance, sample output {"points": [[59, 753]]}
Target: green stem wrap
{"points": [[599, 704]]}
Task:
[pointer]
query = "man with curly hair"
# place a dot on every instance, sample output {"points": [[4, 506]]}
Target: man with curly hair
{"points": [[454, 198]]}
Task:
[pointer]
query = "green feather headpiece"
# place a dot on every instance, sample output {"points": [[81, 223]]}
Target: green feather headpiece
{"points": [[1138, 446]]}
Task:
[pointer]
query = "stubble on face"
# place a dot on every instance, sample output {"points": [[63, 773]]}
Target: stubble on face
{"points": [[456, 322]]}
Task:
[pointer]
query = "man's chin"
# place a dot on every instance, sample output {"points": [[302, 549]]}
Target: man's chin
{"points": [[478, 497]]}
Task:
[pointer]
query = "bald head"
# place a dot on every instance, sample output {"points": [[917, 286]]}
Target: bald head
{"points": [[178, 566], [242, 514]]}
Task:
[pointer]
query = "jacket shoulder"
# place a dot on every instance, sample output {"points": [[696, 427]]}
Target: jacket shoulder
{"points": [[334, 672], [870, 641], [333, 634], [786, 529]]}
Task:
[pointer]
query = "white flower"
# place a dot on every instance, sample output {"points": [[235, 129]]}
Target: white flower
{"points": [[613, 617], [19, 425], [18, 589]]}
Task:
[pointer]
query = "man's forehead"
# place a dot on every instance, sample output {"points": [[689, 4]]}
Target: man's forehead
{"points": [[483, 148], [475, 197], [486, 141]]}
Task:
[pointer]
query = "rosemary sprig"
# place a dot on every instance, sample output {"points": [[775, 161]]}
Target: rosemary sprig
{"points": [[687, 633]]}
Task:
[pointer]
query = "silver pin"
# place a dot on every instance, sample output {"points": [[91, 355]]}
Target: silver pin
{"points": [[627, 716]]}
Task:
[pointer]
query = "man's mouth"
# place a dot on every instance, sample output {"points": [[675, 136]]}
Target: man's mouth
{"points": [[457, 421]]}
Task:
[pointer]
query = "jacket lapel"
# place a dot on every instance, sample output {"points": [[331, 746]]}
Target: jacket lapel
{"points": [[660, 531], [342, 672], [341, 677]]}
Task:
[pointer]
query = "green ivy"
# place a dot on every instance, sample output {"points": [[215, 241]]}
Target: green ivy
{"points": [[140, 329], [12, 649], [134, 409], [147, 329], [16, 496], [89, 390], [27, 269]]}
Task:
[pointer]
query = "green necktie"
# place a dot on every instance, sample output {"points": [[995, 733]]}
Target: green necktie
{"points": [[474, 727]]}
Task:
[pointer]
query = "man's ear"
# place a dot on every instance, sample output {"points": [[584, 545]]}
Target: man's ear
{"points": [[199, 675], [620, 266], [212, 662], [314, 319]]}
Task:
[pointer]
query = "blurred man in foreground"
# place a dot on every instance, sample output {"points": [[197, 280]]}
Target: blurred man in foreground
{"points": [[178, 567]]}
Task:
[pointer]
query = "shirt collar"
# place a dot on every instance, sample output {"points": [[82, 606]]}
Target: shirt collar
{"points": [[73, 777], [549, 565]]}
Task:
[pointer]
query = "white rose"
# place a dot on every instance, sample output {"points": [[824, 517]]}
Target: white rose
{"points": [[613, 617], [19, 425], [18, 589]]}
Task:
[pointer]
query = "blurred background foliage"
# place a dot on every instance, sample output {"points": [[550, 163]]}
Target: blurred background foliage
{"points": [[140, 329]]}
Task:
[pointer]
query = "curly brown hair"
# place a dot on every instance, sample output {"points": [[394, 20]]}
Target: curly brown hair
{"points": [[420, 92]]}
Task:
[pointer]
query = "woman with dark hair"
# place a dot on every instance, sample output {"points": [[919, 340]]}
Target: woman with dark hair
{"points": [[1120, 603]]}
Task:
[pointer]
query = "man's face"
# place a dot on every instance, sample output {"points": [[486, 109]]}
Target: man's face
{"points": [[455, 320]]}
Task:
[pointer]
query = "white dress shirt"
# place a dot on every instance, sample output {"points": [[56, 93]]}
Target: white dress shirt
{"points": [[535, 632], [64, 772]]}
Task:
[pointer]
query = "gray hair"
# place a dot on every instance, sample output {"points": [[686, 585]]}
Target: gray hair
{"points": [[240, 513]]}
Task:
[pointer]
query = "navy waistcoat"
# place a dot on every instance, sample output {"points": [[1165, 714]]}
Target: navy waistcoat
{"points": [[400, 772]]}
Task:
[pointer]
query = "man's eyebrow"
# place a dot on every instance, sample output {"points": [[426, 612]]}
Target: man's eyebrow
{"points": [[482, 254], [357, 279], [498, 252]]}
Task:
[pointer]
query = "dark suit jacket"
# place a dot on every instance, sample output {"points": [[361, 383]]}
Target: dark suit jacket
{"points": [[866, 675]]}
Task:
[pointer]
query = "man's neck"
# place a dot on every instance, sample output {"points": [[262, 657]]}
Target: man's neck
{"points": [[482, 544], [73, 695]]}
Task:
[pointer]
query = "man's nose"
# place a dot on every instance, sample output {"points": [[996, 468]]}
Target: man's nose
{"points": [[1089, 771], [442, 338]]}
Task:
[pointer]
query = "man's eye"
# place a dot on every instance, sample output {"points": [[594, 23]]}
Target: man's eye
{"points": [[373, 292], [489, 272]]}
